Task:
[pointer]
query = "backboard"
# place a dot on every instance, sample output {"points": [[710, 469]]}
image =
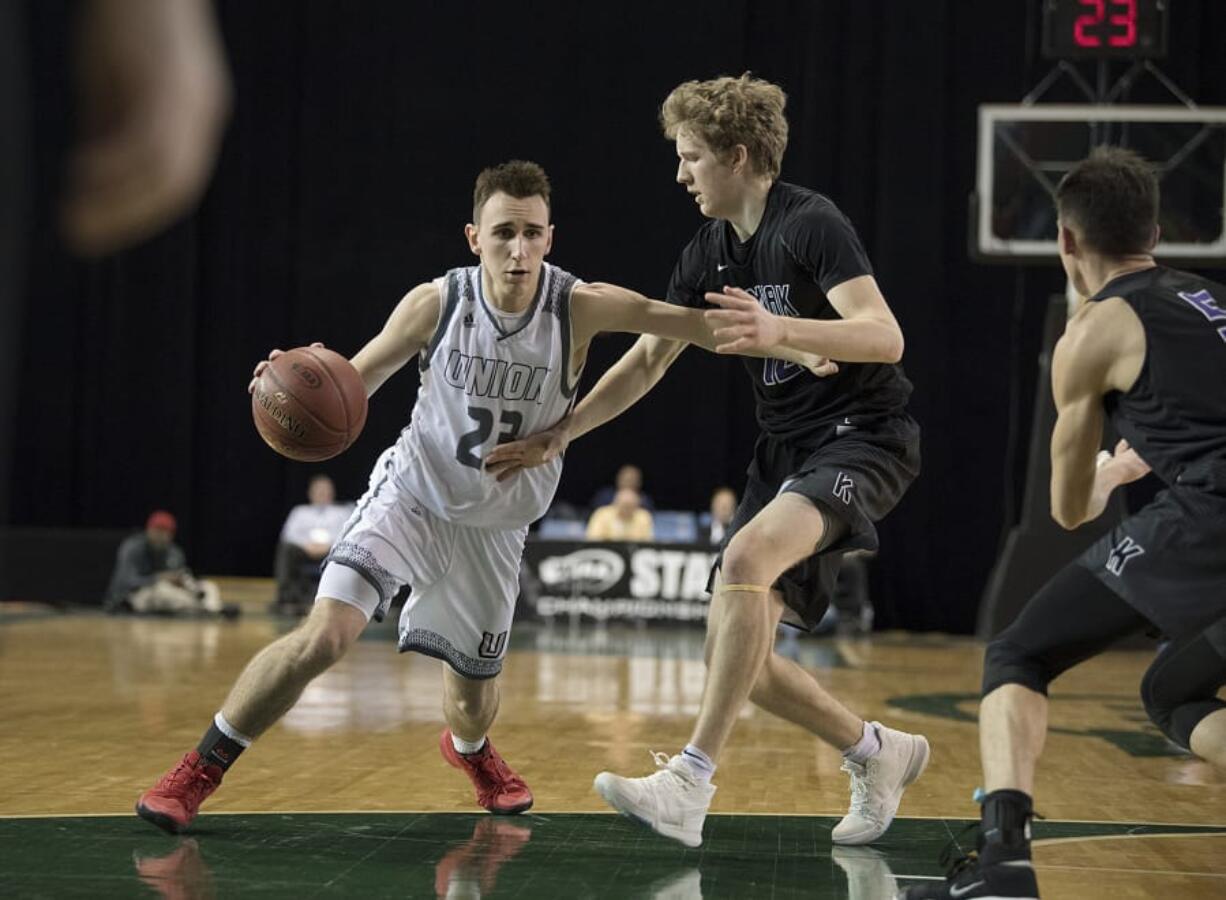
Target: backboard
{"points": [[1024, 150]]}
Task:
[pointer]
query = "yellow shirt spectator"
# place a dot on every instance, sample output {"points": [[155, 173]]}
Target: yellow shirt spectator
{"points": [[622, 520]]}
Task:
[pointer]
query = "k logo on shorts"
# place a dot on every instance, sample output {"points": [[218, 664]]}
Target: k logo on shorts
{"points": [[843, 486], [1125, 550]]}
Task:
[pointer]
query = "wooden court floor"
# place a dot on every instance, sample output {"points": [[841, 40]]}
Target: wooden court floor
{"points": [[349, 797]]}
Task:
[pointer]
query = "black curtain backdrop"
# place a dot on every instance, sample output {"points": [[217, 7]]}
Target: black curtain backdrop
{"points": [[346, 179]]}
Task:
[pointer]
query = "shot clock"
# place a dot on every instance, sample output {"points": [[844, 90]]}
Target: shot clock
{"points": [[1105, 29]]}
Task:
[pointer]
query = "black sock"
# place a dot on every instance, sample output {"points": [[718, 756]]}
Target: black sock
{"points": [[1006, 823], [216, 749]]}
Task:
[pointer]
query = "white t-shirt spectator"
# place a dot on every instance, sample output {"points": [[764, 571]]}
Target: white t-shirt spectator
{"points": [[310, 524]]}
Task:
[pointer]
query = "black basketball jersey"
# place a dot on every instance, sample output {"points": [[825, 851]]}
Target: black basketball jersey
{"points": [[1175, 414], [802, 249]]}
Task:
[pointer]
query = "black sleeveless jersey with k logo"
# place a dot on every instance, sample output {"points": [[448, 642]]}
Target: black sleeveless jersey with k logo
{"points": [[1175, 414]]}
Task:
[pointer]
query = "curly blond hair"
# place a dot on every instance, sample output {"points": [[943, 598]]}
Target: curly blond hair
{"points": [[727, 111]]}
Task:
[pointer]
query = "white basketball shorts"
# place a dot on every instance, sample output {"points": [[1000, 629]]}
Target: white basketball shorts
{"points": [[463, 580]]}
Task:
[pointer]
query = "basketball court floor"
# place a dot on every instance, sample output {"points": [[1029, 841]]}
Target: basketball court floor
{"points": [[348, 796]]}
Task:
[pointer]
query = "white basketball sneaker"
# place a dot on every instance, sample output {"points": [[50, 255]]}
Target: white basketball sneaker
{"points": [[877, 786], [670, 802]]}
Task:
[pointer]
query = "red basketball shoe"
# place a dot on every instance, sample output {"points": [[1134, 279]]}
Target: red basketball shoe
{"points": [[499, 789], [171, 804]]}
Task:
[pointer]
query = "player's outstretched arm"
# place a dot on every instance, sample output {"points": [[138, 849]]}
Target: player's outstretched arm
{"points": [[666, 330], [607, 307], [865, 332], [1098, 353], [405, 334]]}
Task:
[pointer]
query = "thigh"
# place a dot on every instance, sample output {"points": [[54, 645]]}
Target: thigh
{"points": [[1167, 560], [390, 541], [1072, 618], [784, 532], [856, 480], [464, 617], [758, 493], [790, 534]]}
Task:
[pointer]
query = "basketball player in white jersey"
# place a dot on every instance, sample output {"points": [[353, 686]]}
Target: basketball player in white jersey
{"points": [[501, 346]]}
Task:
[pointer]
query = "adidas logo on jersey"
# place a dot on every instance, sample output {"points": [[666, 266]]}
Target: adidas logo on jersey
{"points": [[468, 320]]}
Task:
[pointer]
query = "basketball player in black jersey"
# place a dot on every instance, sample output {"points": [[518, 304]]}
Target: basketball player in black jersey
{"points": [[1148, 350], [777, 266]]}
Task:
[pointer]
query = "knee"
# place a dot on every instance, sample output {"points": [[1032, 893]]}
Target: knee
{"points": [[1175, 709], [1159, 708], [320, 645], [1007, 662], [747, 559]]}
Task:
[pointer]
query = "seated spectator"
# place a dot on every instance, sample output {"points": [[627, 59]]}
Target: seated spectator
{"points": [[723, 508], [628, 476], [308, 534], [622, 520], [151, 575]]}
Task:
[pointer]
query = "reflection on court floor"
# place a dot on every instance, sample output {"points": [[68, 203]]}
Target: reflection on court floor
{"points": [[553, 856]]}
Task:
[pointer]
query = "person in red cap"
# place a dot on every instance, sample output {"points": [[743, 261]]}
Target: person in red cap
{"points": [[151, 575]]}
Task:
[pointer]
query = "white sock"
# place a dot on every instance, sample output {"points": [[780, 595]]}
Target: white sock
{"points": [[467, 747], [230, 731], [867, 747], [701, 766]]}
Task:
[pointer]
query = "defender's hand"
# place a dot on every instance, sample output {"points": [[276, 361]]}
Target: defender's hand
{"points": [[507, 460], [1114, 469], [821, 367], [742, 323], [263, 364], [1125, 464]]}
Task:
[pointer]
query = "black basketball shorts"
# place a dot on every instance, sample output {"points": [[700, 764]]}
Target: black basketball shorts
{"points": [[855, 473], [1168, 561]]}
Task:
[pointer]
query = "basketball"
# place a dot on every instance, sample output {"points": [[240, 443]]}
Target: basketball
{"points": [[309, 404]]}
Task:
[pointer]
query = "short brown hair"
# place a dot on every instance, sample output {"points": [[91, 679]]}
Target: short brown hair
{"points": [[727, 111], [517, 178], [1112, 197]]}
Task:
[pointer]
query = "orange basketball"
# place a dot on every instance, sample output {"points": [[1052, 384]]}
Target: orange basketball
{"points": [[309, 404]]}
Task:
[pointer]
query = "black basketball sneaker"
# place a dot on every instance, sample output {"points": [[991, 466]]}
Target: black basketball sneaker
{"points": [[994, 872]]}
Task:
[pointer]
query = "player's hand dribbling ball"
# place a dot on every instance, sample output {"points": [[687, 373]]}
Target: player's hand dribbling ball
{"points": [[309, 403]]}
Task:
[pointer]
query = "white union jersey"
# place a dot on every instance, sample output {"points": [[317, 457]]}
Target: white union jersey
{"points": [[484, 382]]}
